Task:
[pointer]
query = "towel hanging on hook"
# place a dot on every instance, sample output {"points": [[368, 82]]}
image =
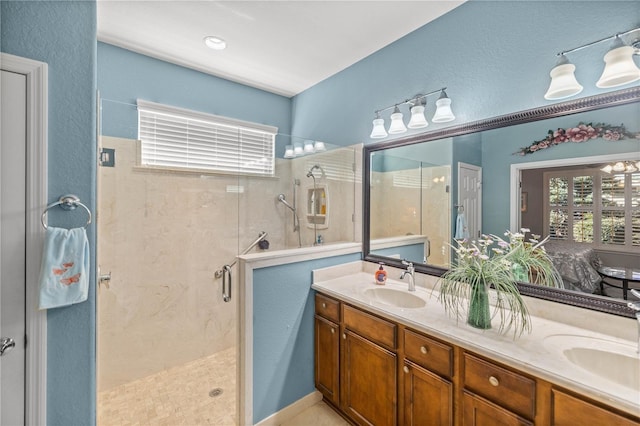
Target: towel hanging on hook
{"points": [[66, 202]]}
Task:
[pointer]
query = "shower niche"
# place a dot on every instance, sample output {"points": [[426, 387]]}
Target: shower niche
{"points": [[318, 207]]}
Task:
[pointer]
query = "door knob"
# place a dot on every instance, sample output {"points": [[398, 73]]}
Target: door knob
{"points": [[6, 343]]}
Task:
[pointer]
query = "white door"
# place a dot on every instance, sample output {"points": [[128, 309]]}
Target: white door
{"points": [[470, 197], [12, 248]]}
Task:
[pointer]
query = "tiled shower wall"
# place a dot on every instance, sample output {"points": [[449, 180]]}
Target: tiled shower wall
{"points": [[163, 235]]}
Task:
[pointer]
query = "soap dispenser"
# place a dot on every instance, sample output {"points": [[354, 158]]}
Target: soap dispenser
{"points": [[381, 275]]}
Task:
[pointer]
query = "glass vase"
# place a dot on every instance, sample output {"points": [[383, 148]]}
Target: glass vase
{"points": [[479, 311]]}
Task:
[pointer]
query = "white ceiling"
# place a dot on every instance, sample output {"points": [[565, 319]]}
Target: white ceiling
{"points": [[282, 47]]}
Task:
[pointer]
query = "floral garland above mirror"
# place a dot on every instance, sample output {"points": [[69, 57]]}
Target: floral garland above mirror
{"points": [[581, 133]]}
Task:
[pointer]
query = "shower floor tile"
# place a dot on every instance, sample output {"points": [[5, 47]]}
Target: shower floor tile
{"points": [[177, 396]]}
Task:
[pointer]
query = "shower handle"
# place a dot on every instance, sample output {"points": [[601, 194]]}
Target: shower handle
{"points": [[226, 283]]}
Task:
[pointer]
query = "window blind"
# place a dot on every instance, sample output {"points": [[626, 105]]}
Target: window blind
{"points": [[594, 207], [176, 138]]}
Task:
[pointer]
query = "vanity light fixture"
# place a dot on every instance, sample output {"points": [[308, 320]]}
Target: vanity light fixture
{"points": [[619, 69], [299, 149], [215, 43], [418, 120]]}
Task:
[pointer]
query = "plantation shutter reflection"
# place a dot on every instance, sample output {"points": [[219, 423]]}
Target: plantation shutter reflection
{"points": [[174, 138], [593, 207]]}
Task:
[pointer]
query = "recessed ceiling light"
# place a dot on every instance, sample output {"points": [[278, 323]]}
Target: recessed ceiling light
{"points": [[215, 43]]}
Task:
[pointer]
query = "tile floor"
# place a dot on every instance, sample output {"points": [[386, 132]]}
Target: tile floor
{"points": [[180, 396], [177, 396], [319, 414]]}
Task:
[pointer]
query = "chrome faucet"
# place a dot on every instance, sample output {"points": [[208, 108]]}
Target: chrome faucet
{"points": [[636, 307], [410, 270]]}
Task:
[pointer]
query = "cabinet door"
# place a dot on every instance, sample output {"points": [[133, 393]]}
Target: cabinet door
{"points": [[428, 399], [477, 411], [569, 410], [368, 381], [327, 344]]}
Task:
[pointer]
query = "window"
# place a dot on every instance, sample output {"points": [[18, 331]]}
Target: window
{"points": [[179, 139], [594, 207]]}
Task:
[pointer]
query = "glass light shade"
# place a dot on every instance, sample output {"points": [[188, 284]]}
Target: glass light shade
{"points": [[630, 168], [378, 130], [397, 125], [619, 167], [297, 149], [308, 147], [619, 69], [418, 119], [607, 169], [443, 111], [563, 81], [638, 165], [319, 146], [288, 151]]}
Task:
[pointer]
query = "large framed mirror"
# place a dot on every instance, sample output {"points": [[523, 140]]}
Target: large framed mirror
{"points": [[564, 171]]}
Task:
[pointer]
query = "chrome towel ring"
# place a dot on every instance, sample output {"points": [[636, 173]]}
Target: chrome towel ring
{"points": [[67, 202]]}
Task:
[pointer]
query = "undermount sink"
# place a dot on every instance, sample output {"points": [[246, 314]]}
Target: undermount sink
{"points": [[394, 297], [613, 361]]}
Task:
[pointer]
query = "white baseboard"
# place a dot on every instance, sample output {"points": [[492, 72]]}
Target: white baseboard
{"points": [[292, 410]]}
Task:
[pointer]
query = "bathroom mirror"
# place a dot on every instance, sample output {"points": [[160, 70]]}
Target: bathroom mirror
{"points": [[422, 191]]}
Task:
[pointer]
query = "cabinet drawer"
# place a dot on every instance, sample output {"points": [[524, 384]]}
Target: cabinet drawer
{"points": [[504, 387], [327, 307], [373, 328], [429, 353]]}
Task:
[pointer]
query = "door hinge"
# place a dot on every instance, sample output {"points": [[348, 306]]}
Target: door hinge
{"points": [[107, 157]]}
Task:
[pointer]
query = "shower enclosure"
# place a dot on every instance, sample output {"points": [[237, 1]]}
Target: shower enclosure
{"points": [[167, 318]]}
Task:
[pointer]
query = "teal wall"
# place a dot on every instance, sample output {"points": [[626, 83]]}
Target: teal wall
{"points": [[283, 308], [63, 34], [125, 76], [494, 57]]}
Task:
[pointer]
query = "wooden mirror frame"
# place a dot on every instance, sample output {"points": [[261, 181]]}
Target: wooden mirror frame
{"points": [[607, 100]]}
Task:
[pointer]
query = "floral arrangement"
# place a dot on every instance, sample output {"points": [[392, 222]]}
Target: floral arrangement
{"points": [[493, 261], [581, 133]]}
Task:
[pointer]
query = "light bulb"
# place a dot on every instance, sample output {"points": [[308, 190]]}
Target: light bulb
{"points": [[443, 111], [418, 119], [397, 125], [563, 81], [288, 151], [619, 167], [378, 130], [620, 68], [297, 149], [319, 146], [308, 147]]}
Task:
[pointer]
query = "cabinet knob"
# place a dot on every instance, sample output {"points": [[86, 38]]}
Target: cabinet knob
{"points": [[344, 336], [494, 381], [324, 305], [333, 330], [424, 349], [406, 369]]}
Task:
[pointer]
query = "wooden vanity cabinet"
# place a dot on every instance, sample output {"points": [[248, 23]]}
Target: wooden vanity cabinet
{"points": [[426, 395], [377, 372], [368, 368], [569, 410], [327, 348]]}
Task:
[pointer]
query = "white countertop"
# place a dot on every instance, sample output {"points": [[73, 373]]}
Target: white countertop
{"points": [[528, 353]]}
